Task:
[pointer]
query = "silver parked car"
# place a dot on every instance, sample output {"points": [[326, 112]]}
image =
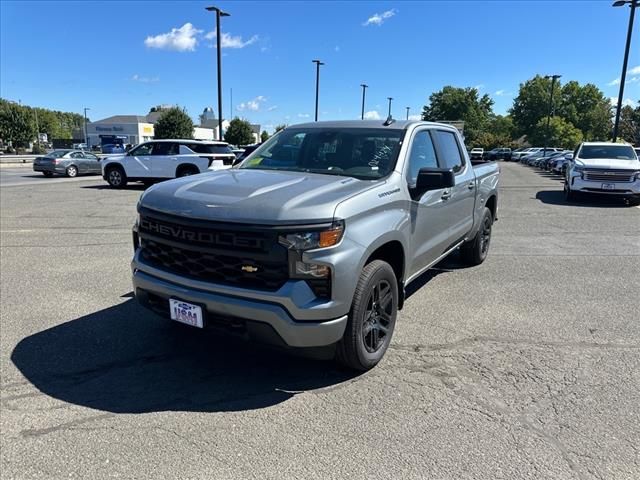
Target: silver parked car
{"points": [[67, 162]]}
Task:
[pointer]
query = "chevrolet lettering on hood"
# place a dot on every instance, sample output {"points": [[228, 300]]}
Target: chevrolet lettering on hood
{"points": [[178, 232]]}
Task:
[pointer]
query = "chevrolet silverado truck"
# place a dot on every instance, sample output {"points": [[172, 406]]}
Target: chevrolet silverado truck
{"points": [[603, 168], [313, 239]]}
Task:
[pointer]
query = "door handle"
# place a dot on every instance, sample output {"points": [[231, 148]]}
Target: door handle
{"points": [[446, 195], [471, 186]]}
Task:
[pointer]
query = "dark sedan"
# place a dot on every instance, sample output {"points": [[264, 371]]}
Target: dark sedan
{"points": [[67, 162]]}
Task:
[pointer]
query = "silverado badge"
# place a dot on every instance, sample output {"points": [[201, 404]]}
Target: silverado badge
{"points": [[249, 268]]}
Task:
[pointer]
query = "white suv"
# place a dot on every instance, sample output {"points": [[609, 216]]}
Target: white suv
{"points": [[163, 159], [606, 168]]}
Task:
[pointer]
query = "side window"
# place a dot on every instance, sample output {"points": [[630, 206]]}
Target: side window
{"points": [[90, 156], [449, 151], [142, 150], [164, 149], [421, 155], [77, 155], [187, 149]]}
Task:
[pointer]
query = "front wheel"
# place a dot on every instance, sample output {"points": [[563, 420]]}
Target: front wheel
{"points": [[476, 250], [72, 171], [569, 195], [116, 177], [372, 318]]}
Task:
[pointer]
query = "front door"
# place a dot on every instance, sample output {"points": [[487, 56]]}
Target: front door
{"points": [[138, 162]]}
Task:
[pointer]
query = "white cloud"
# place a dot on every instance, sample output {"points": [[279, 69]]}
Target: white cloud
{"points": [[252, 105], [415, 117], [303, 115], [503, 93], [181, 39], [631, 71], [138, 78], [372, 115], [379, 18], [627, 102], [272, 108], [229, 41]]}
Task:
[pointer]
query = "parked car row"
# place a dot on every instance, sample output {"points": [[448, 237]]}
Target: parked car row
{"points": [[595, 167]]}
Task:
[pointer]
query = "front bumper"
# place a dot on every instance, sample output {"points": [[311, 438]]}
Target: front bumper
{"points": [[258, 320], [623, 189]]}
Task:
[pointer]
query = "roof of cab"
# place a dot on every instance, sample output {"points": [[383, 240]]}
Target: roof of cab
{"points": [[396, 125]]}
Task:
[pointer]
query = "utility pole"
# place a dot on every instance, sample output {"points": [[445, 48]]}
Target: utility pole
{"points": [[364, 88], [86, 138], [546, 136], [219, 13], [407, 112], [318, 63], [389, 98]]}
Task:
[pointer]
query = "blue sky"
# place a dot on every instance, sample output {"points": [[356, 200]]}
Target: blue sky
{"points": [[124, 57]]}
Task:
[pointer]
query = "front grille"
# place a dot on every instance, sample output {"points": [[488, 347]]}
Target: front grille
{"points": [[613, 176], [223, 269], [228, 254]]}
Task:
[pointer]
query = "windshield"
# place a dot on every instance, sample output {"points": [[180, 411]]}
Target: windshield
{"points": [[57, 153], [355, 152], [617, 152]]}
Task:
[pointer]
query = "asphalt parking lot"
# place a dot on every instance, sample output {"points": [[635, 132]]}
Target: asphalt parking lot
{"points": [[525, 367]]}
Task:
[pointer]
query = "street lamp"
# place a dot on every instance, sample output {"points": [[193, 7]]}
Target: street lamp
{"points": [[408, 108], [318, 63], [546, 136], [364, 87], [633, 4], [389, 98], [86, 138], [219, 13]]}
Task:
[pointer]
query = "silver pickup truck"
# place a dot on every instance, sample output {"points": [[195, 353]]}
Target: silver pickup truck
{"points": [[311, 241]]}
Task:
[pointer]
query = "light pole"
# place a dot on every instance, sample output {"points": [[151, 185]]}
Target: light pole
{"points": [[546, 136], [408, 108], [633, 4], [35, 110], [86, 138], [318, 63], [364, 88], [389, 98], [219, 13]]}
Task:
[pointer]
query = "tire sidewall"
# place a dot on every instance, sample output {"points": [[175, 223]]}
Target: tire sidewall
{"points": [[71, 169], [112, 170], [382, 272]]}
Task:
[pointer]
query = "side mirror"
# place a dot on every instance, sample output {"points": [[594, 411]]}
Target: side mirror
{"points": [[569, 156], [433, 179]]}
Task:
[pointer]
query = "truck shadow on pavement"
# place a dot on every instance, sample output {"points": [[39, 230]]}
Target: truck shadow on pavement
{"points": [[556, 197], [124, 359]]}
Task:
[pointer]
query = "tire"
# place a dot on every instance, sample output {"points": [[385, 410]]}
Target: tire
{"points": [[475, 251], [48, 174], [187, 171], [362, 345], [116, 178], [72, 171]]}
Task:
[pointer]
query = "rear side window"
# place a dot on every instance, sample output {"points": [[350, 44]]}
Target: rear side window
{"points": [[450, 156], [165, 148], [422, 155], [214, 149]]}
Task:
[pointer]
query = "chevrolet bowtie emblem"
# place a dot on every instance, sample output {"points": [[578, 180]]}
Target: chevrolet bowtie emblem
{"points": [[249, 269]]}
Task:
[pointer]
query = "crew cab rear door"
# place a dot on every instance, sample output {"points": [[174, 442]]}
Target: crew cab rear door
{"points": [[461, 200]]}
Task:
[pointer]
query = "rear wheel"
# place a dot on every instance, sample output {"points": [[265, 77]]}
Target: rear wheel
{"points": [[116, 177], [372, 318], [187, 171], [72, 171], [475, 251]]}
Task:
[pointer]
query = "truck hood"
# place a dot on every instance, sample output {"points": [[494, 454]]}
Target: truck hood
{"points": [[254, 196], [608, 163]]}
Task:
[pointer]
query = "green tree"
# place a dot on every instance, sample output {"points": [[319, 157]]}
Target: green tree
{"points": [[174, 123], [453, 103], [16, 124], [264, 136], [239, 132], [629, 127], [560, 134], [532, 103], [282, 126], [586, 108]]}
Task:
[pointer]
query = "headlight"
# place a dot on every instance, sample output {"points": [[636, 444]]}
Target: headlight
{"points": [[311, 240]]}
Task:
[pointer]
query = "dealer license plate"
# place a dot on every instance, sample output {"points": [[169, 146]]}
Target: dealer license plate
{"points": [[184, 312], [608, 186]]}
